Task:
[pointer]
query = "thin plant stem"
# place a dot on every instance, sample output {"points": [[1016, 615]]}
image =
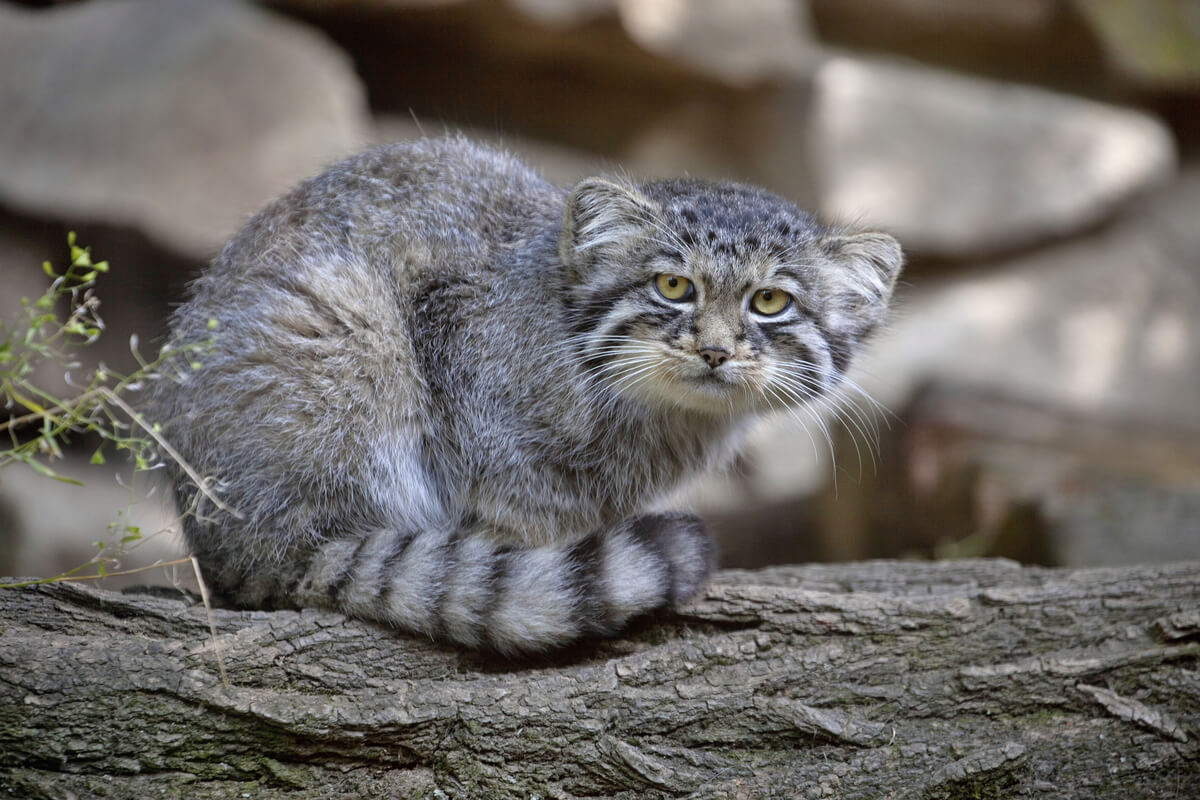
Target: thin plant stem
{"points": [[212, 625]]}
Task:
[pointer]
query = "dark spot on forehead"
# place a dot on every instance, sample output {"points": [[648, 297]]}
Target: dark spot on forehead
{"points": [[729, 216]]}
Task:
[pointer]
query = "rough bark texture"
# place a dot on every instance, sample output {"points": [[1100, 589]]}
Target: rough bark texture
{"points": [[972, 679]]}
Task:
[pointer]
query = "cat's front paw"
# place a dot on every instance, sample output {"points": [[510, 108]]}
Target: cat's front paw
{"points": [[685, 546]]}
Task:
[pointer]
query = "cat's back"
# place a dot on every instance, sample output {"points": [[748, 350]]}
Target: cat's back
{"points": [[424, 205], [318, 285]]}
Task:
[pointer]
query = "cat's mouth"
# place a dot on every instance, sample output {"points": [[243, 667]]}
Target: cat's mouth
{"points": [[713, 381], [669, 380], [721, 390]]}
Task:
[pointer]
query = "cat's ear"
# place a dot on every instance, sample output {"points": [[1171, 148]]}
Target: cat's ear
{"points": [[600, 214], [868, 265]]}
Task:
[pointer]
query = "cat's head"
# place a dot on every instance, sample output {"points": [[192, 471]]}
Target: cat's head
{"points": [[719, 298]]}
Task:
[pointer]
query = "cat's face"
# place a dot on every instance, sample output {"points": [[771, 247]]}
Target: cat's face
{"points": [[717, 298]]}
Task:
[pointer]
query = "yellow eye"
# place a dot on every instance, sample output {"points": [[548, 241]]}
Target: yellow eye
{"points": [[770, 302], [673, 287]]}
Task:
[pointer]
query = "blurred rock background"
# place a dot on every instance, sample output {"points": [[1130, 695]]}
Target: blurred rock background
{"points": [[1038, 394]]}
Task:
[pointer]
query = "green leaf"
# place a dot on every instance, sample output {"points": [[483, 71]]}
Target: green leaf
{"points": [[97, 458], [48, 268]]}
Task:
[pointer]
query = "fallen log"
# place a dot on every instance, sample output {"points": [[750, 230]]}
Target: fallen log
{"points": [[977, 678]]}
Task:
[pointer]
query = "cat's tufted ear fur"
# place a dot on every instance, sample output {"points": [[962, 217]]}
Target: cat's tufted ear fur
{"points": [[602, 214], [869, 264]]}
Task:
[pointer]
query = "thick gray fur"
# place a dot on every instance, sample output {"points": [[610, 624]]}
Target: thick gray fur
{"points": [[441, 392]]}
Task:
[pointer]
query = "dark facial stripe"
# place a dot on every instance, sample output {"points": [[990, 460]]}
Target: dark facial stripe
{"points": [[772, 326], [841, 347], [799, 276], [661, 316], [669, 322], [592, 363], [586, 314], [840, 353]]}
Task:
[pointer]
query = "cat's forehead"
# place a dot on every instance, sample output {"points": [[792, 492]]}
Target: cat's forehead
{"points": [[732, 219], [730, 234]]}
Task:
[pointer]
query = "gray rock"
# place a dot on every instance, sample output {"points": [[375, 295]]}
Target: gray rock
{"points": [[1108, 325], [738, 43], [177, 117], [959, 167], [974, 473]]}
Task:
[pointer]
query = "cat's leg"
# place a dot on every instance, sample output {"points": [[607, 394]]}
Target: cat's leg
{"points": [[459, 586]]}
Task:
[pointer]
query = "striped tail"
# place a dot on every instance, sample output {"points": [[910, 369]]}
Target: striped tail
{"points": [[461, 587]]}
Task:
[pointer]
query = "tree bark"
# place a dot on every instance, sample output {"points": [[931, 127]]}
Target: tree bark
{"points": [[877, 679]]}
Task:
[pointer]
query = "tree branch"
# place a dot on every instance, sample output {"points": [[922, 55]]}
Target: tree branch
{"points": [[877, 679]]}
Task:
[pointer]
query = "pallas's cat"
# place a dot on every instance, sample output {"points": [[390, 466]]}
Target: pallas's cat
{"points": [[440, 392]]}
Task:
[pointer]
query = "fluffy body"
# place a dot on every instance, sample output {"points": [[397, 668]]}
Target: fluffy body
{"points": [[441, 392]]}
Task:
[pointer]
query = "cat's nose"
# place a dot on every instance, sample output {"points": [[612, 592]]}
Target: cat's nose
{"points": [[715, 356]]}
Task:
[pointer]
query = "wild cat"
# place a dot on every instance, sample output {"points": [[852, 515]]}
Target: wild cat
{"points": [[440, 392]]}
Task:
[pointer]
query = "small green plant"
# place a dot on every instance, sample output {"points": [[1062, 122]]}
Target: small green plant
{"points": [[39, 424], [48, 330], [44, 336]]}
